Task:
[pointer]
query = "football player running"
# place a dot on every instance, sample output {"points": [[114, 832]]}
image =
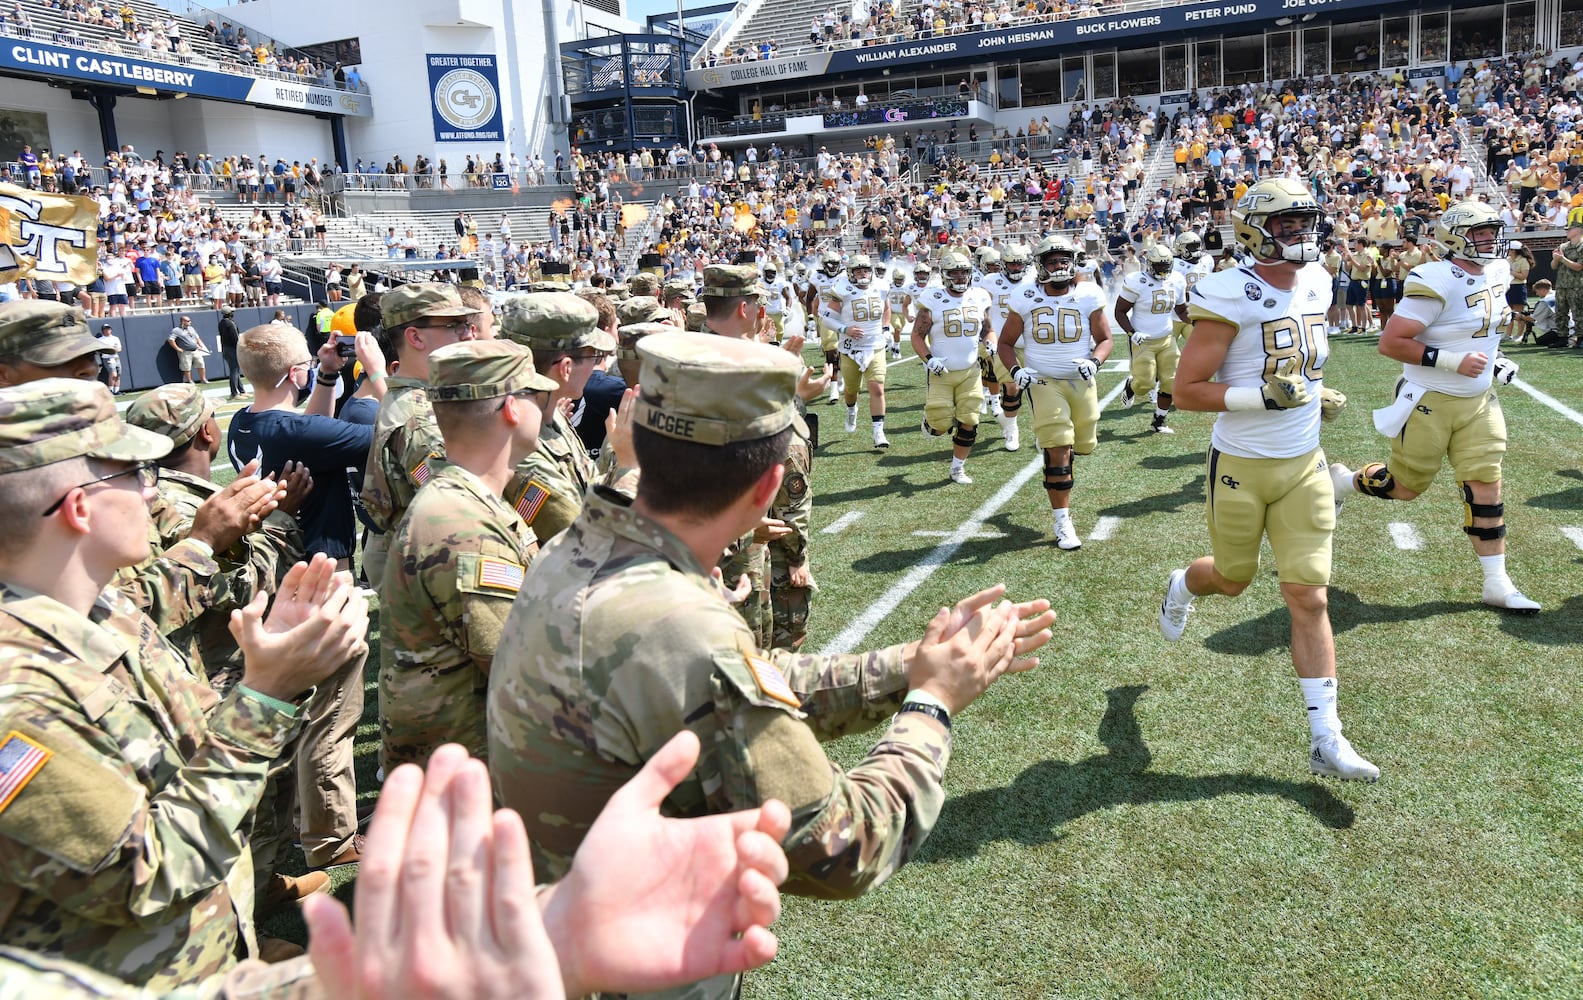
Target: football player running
{"points": [[1256, 356], [778, 298], [948, 329], [862, 318], [1068, 340], [897, 298], [1446, 334], [1146, 305], [1194, 265], [820, 310], [1005, 399]]}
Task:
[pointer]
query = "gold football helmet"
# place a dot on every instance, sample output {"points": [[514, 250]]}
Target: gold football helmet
{"points": [[1277, 196], [1455, 229]]}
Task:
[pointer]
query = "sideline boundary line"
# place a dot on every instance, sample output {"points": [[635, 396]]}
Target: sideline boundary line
{"points": [[871, 616], [1549, 400]]}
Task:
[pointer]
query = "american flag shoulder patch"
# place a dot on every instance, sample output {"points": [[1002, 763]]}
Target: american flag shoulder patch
{"points": [[20, 760], [771, 681], [421, 472], [531, 501], [499, 574]]}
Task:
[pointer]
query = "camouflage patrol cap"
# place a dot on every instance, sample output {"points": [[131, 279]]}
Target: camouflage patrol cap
{"points": [[641, 309], [402, 306], [628, 336], [549, 286], [677, 288], [178, 411], [643, 283], [714, 390], [731, 281], [56, 419], [554, 321], [697, 317], [45, 333], [483, 369]]}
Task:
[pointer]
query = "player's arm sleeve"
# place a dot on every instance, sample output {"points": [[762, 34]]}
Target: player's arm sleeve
{"points": [[86, 834], [850, 830]]}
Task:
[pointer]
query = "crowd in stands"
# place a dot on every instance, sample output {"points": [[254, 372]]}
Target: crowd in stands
{"points": [[119, 29]]}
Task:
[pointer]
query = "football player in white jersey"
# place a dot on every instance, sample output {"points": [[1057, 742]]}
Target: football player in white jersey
{"points": [[1146, 306], [897, 298], [1256, 356], [1005, 399], [862, 318], [778, 298], [1446, 334], [1193, 264], [821, 310], [987, 262], [948, 329], [1068, 340]]}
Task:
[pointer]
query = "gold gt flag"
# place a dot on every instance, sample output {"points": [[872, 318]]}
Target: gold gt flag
{"points": [[47, 236]]}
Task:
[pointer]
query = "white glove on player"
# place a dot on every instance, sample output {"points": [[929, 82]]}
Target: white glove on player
{"points": [[1505, 370], [1023, 377], [1138, 338], [936, 366], [1086, 368]]}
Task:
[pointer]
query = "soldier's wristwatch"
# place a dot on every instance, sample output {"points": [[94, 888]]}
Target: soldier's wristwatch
{"points": [[931, 708]]}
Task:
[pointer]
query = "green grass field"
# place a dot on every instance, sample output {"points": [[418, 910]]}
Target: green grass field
{"points": [[1136, 818]]}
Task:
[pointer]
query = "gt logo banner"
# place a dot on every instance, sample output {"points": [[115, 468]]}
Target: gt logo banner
{"points": [[47, 236]]}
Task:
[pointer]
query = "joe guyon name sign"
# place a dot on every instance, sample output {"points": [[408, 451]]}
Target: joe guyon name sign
{"points": [[55, 61], [1094, 31]]}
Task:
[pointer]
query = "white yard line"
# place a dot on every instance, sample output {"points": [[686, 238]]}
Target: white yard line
{"points": [[986, 533], [842, 523], [849, 637], [1405, 536], [1549, 400], [1576, 534], [1104, 528]]}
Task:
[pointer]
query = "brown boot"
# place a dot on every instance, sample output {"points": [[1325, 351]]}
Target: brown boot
{"points": [[287, 889], [274, 950], [351, 854]]}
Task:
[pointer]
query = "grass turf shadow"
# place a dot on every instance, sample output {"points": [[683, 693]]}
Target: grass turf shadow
{"points": [[1272, 631], [1567, 499], [1048, 795]]}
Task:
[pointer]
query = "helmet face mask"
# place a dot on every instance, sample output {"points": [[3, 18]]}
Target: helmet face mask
{"points": [[1472, 231], [1014, 262], [897, 278], [989, 260], [1189, 247], [862, 277], [1056, 260], [958, 272], [1160, 261], [1277, 221], [830, 264]]}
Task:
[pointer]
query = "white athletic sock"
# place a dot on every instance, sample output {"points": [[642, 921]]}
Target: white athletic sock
{"points": [[1162, 414], [1062, 514], [1495, 568], [1319, 695], [1179, 592], [958, 463]]}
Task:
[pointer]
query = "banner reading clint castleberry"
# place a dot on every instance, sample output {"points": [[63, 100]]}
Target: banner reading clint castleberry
{"points": [[47, 236], [466, 95]]}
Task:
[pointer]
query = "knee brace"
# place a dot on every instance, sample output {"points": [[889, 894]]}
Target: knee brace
{"points": [[1490, 510], [965, 436], [986, 374], [1376, 480], [1010, 403], [1056, 477], [928, 429], [833, 358]]}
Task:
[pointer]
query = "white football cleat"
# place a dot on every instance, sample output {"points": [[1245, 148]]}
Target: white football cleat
{"points": [[835, 390], [1174, 613], [851, 418], [1128, 397], [1507, 597], [1066, 536], [959, 475], [994, 406], [895, 351], [1333, 757], [880, 441], [1008, 430], [1341, 480], [1158, 426]]}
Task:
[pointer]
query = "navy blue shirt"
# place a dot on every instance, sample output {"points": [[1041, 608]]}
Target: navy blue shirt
{"points": [[328, 447], [601, 396]]}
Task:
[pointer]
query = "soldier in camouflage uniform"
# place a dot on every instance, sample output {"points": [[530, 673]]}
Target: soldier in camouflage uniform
{"points": [[255, 565], [416, 318], [642, 309], [627, 337], [620, 638], [41, 339], [775, 558], [123, 837], [457, 557], [563, 332], [1567, 259]]}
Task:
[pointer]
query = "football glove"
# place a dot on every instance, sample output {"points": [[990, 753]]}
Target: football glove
{"points": [[936, 366], [1023, 377], [1086, 368], [1331, 403], [1505, 370], [1138, 338], [1286, 388]]}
